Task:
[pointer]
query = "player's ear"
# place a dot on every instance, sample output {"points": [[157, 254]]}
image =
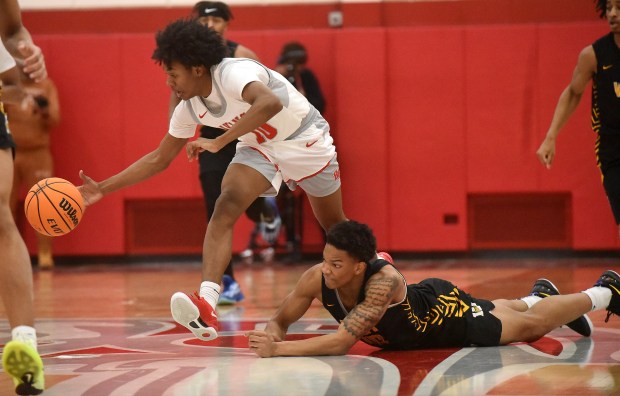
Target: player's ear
{"points": [[198, 70], [359, 267]]}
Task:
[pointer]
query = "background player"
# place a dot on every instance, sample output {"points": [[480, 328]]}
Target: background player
{"points": [[599, 62], [31, 130]]}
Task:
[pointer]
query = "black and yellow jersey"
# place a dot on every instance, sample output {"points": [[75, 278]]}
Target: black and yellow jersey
{"points": [[434, 314], [606, 86]]}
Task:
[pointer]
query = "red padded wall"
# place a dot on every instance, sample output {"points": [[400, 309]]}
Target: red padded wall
{"points": [[145, 121], [426, 138], [361, 133], [87, 71], [501, 66]]}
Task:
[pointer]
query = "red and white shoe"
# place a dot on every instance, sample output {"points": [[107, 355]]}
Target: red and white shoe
{"points": [[386, 256], [195, 313]]}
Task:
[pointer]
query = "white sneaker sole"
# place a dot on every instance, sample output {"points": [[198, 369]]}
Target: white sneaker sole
{"points": [[185, 313]]}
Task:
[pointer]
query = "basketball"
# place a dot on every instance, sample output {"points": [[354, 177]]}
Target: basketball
{"points": [[54, 206]]}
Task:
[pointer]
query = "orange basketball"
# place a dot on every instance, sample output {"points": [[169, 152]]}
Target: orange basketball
{"points": [[54, 206]]}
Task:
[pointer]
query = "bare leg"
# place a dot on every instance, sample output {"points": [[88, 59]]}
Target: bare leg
{"points": [[544, 316], [328, 210], [517, 305], [240, 187], [16, 287]]}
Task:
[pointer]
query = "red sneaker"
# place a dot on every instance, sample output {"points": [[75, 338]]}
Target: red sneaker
{"points": [[195, 313], [386, 256]]}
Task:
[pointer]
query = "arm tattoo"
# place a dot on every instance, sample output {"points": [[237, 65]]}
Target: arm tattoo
{"points": [[364, 316]]}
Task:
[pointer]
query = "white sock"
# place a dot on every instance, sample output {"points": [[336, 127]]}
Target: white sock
{"points": [[600, 296], [210, 291], [25, 334], [530, 300]]}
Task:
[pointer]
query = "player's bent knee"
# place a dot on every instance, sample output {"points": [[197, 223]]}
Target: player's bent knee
{"points": [[228, 208], [536, 328]]}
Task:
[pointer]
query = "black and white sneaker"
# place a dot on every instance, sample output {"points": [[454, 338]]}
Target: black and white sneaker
{"points": [[544, 288], [611, 280]]}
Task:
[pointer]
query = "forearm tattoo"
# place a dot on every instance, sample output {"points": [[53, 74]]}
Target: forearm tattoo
{"points": [[364, 316]]}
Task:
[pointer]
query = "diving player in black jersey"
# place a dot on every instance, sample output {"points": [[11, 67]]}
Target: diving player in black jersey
{"points": [[372, 302], [599, 62]]}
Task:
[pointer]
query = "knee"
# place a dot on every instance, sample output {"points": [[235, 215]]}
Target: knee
{"points": [[228, 208], [6, 219], [537, 327]]}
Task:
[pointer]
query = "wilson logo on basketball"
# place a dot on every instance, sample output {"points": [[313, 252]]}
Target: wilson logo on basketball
{"points": [[71, 212]]}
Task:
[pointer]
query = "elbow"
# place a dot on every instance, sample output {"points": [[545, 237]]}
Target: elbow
{"points": [[159, 164], [273, 106], [163, 165]]}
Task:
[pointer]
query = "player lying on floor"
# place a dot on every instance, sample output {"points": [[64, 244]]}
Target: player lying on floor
{"points": [[373, 303]]}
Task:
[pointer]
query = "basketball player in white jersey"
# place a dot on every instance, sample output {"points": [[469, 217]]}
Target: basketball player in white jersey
{"points": [[283, 138]]}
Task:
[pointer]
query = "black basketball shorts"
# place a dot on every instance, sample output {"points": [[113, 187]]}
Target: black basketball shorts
{"points": [[6, 140]]}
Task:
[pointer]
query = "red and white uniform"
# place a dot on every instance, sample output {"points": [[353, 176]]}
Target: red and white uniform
{"points": [[296, 140]]}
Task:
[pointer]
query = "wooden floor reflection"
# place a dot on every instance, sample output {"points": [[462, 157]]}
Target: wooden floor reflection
{"points": [[105, 329]]}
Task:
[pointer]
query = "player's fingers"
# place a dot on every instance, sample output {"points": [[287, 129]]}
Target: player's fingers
{"points": [[86, 179], [34, 61], [549, 160]]}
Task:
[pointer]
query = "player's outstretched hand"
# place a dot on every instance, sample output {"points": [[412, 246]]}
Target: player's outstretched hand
{"points": [[90, 190], [199, 145], [34, 63], [261, 343]]}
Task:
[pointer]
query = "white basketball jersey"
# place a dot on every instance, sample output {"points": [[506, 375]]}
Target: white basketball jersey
{"points": [[225, 105], [6, 60]]}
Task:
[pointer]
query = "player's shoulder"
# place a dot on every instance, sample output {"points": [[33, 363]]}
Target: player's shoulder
{"points": [[386, 271], [314, 272], [233, 64], [244, 52], [587, 59], [310, 282]]}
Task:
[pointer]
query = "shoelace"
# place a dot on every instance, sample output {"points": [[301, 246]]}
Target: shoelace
{"points": [[600, 283]]}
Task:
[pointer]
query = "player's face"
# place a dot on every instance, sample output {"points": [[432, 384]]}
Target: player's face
{"points": [[182, 81], [613, 15], [338, 267], [216, 23]]}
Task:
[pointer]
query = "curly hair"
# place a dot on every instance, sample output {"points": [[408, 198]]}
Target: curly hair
{"points": [[601, 7], [191, 44], [354, 238]]}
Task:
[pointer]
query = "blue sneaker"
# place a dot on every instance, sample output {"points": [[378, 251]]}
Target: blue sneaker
{"points": [[231, 292]]}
